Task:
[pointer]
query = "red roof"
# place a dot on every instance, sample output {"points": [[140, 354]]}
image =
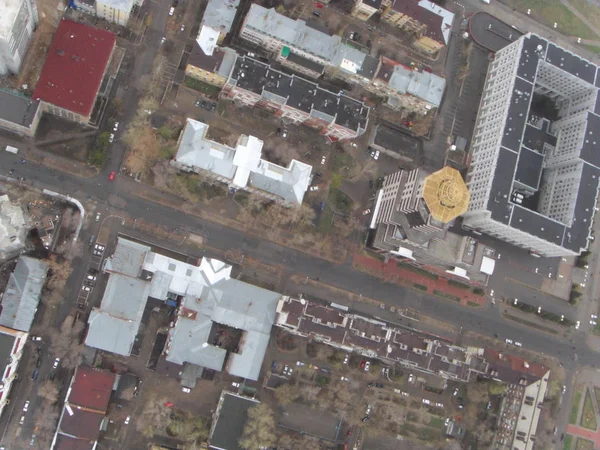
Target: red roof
{"points": [[82, 424], [71, 443], [92, 388], [74, 67]]}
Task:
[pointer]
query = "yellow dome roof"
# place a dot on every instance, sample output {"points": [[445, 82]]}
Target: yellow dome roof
{"points": [[446, 194]]}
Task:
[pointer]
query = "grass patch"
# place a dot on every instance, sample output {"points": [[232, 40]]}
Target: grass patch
{"points": [[436, 422], [473, 304], [458, 284], [445, 295], [340, 201], [418, 270], [593, 48], [550, 11], [588, 416], [325, 222], [568, 442], [242, 198], [529, 323], [584, 444], [575, 407], [420, 287], [597, 394], [201, 86], [592, 12]]}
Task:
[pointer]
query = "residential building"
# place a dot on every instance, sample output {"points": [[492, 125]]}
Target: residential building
{"points": [[14, 225], [12, 343], [364, 9], [395, 142], [18, 21], [22, 294], [296, 100], [76, 71], [212, 68], [229, 420], [207, 298], [535, 163], [18, 113], [376, 339], [430, 23], [419, 91], [115, 11], [527, 384], [219, 16], [241, 167], [84, 412]]}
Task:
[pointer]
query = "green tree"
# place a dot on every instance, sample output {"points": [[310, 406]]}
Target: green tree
{"points": [[165, 132], [259, 431], [495, 388]]}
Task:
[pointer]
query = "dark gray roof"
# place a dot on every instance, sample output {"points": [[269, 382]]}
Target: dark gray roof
{"points": [[535, 138], [529, 168], [590, 150], [501, 186], [22, 294], [305, 62], [304, 95], [17, 108], [530, 56], [571, 63], [369, 67], [577, 235], [230, 423], [6, 344], [537, 225], [517, 114]]}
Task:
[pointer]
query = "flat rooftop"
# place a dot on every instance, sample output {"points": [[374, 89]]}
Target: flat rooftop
{"points": [[304, 95], [17, 108]]}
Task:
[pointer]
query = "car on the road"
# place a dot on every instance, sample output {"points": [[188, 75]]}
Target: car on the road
{"points": [[26, 406], [564, 389], [367, 366], [577, 325], [518, 344], [97, 217], [300, 363], [162, 40], [427, 402], [111, 138], [56, 363], [112, 175], [86, 288], [35, 374], [593, 322], [508, 341], [314, 188], [346, 358], [186, 390], [22, 420], [411, 378], [116, 126], [539, 309], [36, 338]]}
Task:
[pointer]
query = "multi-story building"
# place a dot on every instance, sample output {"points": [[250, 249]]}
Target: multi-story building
{"points": [[295, 99], [535, 164], [115, 11], [241, 167], [18, 113], [219, 16], [364, 9], [18, 20], [419, 91], [212, 68], [416, 206], [78, 68], [430, 23], [12, 343]]}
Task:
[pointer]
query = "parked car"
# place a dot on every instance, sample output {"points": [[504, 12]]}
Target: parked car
{"points": [[116, 126], [346, 358], [172, 11], [93, 271], [112, 175], [111, 138], [367, 366], [344, 379], [26, 406], [235, 385], [36, 338], [86, 288], [22, 420], [314, 188], [97, 217], [182, 27], [325, 370], [56, 363], [127, 420], [411, 378], [91, 277], [323, 159], [427, 402], [366, 211], [98, 253], [518, 344], [300, 363], [284, 134], [186, 390]]}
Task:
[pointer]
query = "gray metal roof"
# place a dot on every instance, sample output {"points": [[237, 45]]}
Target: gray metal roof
{"points": [[127, 258], [423, 85], [219, 14], [231, 420], [114, 326], [17, 108], [22, 294]]}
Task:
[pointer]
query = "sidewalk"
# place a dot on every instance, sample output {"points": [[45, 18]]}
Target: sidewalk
{"points": [[412, 278]]}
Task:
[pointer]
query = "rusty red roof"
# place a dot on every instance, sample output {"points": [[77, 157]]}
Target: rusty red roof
{"points": [[92, 388], [74, 67]]}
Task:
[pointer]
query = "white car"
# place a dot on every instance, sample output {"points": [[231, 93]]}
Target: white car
{"points": [[186, 390], [56, 363], [411, 378], [36, 338], [594, 316], [539, 309], [287, 370], [127, 420], [509, 341], [172, 11], [300, 363], [439, 405], [366, 211], [99, 247], [593, 322], [323, 159], [367, 366], [111, 138], [22, 420], [564, 389], [97, 217], [404, 393], [91, 277], [284, 134], [116, 126], [518, 344], [314, 188], [86, 288], [182, 28], [344, 378], [346, 358], [427, 402], [376, 157], [368, 409], [235, 385], [26, 406], [162, 40], [577, 325]]}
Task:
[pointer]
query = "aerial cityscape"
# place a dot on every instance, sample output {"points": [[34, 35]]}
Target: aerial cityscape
{"points": [[299, 224]]}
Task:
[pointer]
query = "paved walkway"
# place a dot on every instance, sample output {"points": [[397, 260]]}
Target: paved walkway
{"points": [[394, 273], [579, 431], [584, 433]]}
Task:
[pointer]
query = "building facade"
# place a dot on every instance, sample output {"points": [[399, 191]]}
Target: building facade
{"points": [[115, 11], [213, 69], [18, 21], [12, 343], [253, 83], [535, 164], [364, 9]]}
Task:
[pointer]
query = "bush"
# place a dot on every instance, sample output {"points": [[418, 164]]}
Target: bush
{"points": [[420, 287], [479, 291], [445, 295], [418, 270]]}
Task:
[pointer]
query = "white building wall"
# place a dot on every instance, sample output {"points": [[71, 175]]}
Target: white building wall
{"points": [[15, 39], [115, 12]]}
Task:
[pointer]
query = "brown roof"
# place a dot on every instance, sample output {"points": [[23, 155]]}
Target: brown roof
{"points": [[431, 20], [410, 340], [386, 69], [334, 334], [326, 315], [206, 62], [69, 443], [368, 328], [294, 310], [83, 424]]}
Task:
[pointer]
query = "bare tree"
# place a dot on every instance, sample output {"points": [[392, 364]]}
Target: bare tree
{"points": [[286, 394], [66, 342], [154, 417], [49, 391], [259, 431]]}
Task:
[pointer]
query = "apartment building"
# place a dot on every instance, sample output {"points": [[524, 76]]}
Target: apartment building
{"points": [[115, 11], [535, 164], [364, 9], [253, 83], [18, 20], [213, 68], [219, 16], [12, 343]]}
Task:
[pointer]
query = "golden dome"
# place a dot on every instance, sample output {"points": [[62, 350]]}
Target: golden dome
{"points": [[446, 194]]}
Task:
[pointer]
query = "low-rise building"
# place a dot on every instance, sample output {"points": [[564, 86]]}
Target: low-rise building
{"points": [[229, 420], [241, 167], [84, 412], [219, 16], [12, 343], [430, 23], [295, 99], [212, 68], [19, 113], [115, 11], [377, 339], [22, 294], [76, 71], [364, 9]]}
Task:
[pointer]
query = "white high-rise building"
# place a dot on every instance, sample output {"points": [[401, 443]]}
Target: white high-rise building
{"points": [[535, 165], [18, 19]]}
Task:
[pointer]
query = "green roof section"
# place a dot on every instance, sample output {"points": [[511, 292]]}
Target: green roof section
{"points": [[285, 51]]}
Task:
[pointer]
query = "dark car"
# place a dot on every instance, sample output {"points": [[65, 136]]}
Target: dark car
{"points": [[38, 363], [35, 374], [325, 369], [93, 271], [364, 419], [316, 13], [375, 384], [213, 107], [203, 105]]}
